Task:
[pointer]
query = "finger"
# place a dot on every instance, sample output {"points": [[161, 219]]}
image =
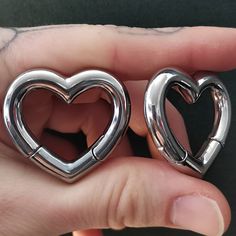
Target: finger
{"points": [[163, 197], [130, 52], [137, 121], [92, 232], [138, 125], [92, 119], [123, 192], [60, 146]]}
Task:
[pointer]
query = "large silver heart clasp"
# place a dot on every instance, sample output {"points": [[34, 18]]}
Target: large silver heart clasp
{"points": [[190, 89], [67, 89]]}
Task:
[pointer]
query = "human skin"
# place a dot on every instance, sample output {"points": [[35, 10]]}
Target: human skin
{"points": [[124, 191]]}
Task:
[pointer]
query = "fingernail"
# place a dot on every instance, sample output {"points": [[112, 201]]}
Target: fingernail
{"points": [[198, 213]]}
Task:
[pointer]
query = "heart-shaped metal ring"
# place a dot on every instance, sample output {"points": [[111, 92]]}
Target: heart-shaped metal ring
{"points": [[68, 89], [190, 89]]}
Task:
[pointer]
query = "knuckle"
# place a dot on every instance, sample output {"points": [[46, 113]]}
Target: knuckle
{"points": [[128, 202]]}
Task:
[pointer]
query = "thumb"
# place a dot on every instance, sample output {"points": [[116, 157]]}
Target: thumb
{"points": [[122, 192], [138, 192]]}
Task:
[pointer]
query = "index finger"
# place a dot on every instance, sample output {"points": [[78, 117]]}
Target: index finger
{"points": [[132, 53]]}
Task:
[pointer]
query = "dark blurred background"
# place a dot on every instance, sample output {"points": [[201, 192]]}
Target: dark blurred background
{"points": [[149, 13]]}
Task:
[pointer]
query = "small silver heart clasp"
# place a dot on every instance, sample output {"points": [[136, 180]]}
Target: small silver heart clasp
{"points": [[67, 89], [190, 89]]}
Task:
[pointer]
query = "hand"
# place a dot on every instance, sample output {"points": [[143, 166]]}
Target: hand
{"points": [[124, 190]]}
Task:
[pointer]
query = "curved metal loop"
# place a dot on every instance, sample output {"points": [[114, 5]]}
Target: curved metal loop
{"points": [[68, 89], [190, 89]]}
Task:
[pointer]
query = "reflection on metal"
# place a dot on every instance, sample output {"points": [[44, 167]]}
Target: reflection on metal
{"points": [[190, 89], [68, 89]]}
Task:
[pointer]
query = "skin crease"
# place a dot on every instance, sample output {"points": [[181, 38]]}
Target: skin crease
{"points": [[133, 55]]}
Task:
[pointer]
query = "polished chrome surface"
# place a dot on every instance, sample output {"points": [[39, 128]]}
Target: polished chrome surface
{"points": [[190, 89], [68, 89]]}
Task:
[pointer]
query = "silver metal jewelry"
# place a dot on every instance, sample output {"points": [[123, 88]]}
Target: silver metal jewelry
{"points": [[190, 89], [67, 89]]}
